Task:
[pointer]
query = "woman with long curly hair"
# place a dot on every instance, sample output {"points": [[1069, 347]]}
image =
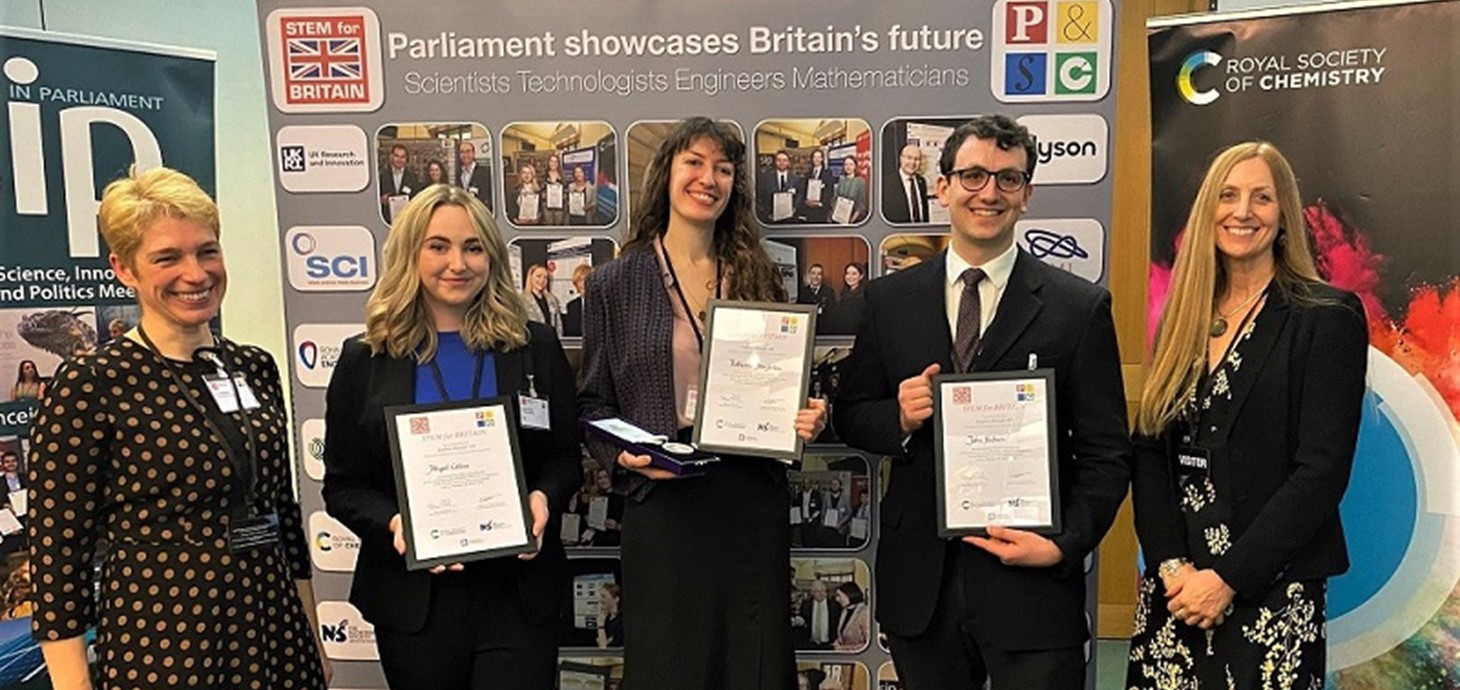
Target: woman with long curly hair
{"points": [[704, 559]]}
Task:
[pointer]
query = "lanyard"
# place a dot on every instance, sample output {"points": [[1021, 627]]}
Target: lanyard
{"points": [[476, 379], [250, 477], [693, 319]]}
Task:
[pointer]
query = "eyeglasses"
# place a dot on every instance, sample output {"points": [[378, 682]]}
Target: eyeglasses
{"points": [[974, 179]]}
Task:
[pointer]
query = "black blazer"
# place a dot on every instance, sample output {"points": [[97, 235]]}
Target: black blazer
{"points": [[1066, 321], [359, 482], [480, 184], [828, 195], [767, 187], [1286, 452], [894, 198], [410, 186]]}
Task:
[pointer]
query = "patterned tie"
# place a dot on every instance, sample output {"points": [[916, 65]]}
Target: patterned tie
{"points": [[970, 311]]}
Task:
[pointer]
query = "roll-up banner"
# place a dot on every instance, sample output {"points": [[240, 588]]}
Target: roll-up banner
{"points": [[372, 101], [1361, 98], [78, 111]]}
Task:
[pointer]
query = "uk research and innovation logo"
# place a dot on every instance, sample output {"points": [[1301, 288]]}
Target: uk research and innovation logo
{"points": [[1186, 84], [291, 159], [323, 158], [325, 60], [1076, 245], [1051, 50], [326, 258]]}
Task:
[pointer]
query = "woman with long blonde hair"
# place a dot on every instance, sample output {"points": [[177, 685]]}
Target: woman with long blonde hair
{"points": [[444, 324], [1245, 437]]}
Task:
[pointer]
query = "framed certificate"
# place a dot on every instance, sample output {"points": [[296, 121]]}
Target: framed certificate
{"points": [[754, 373], [459, 481], [996, 458]]}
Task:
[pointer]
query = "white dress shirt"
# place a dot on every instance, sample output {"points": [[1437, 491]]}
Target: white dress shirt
{"points": [[990, 289]]}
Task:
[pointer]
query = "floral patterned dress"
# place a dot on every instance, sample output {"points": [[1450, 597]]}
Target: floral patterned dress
{"points": [[1276, 643]]}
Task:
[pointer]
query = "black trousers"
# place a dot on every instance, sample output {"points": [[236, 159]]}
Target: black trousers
{"points": [[950, 656], [477, 636]]}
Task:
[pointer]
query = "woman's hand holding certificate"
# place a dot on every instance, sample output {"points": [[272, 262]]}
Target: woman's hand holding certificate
{"points": [[754, 373]]}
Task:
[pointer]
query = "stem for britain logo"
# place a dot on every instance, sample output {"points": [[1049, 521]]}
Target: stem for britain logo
{"points": [[325, 60]]}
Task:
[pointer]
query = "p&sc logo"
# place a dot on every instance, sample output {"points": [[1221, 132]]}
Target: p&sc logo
{"points": [[1051, 50]]}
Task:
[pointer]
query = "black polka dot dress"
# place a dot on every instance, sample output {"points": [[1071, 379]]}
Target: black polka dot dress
{"points": [[119, 452]]}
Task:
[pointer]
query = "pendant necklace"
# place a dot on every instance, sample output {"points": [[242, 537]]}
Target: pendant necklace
{"points": [[1219, 323]]}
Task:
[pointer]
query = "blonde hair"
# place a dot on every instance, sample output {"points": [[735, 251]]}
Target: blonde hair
{"points": [[131, 204], [581, 271], [397, 320], [1179, 354]]}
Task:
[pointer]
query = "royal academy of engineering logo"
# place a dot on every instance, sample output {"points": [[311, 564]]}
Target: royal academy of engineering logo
{"points": [[325, 60], [1051, 50]]}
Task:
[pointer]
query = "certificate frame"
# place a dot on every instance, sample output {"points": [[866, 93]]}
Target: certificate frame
{"points": [[496, 406], [994, 380], [704, 403]]}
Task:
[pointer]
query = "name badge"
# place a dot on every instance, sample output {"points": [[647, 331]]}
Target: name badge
{"points": [[223, 393], [251, 533], [535, 412], [1193, 460], [245, 393], [691, 401]]}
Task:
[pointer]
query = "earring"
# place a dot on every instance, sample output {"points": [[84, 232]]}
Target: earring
{"points": [[1282, 236]]}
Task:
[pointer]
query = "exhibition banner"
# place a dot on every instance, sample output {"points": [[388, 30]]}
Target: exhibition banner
{"points": [[1361, 99], [550, 112], [78, 112]]}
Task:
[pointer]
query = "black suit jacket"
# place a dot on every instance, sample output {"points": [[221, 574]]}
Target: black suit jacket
{"points": [[1285, 455], [410, 185], [765, 191], [1066, 322], [894, 198], [573, 317], [480, 184], [816, 214], [359, 482]]}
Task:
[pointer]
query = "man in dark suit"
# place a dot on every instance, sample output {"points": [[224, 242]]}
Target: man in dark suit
{"points": [[1008, 607], [816, 620], [573, 319], [397, 181], [778, 180], [816, 207], [815, 291], [472, 177], [905, 192]]}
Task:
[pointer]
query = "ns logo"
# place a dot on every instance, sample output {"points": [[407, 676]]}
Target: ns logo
{"points": [[335, 633], [28, 161]]}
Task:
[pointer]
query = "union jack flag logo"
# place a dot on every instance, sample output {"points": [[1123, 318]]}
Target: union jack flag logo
{"points": [[324, 59]]}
